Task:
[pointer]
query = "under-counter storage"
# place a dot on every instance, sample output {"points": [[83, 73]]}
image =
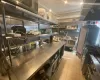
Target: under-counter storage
{"points": [[45, 58], [47, 71]]}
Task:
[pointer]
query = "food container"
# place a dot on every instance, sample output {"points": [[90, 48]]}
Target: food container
{"points": [[42, 12]]}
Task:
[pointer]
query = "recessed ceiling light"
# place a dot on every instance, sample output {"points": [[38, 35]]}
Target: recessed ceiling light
{"points": [[81, 3], [65, 1], [17, 2], [50, 10]]}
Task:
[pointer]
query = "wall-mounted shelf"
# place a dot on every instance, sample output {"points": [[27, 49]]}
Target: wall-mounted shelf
{"points": [[71, 29], [28, 38], [23, 39], [45, 36], [57, 27], [19, 12]]}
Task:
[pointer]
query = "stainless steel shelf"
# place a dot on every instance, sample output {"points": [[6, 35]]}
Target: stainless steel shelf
{"points": [[18, 41], [14, 10]]}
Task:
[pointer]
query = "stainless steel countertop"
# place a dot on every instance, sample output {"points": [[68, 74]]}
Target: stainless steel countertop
{"points": [[34, 60]]}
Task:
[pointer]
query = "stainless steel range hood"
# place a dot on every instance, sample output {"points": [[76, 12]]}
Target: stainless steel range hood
{"points": [[91, 10]]}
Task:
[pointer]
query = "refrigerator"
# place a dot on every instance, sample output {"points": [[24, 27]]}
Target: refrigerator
{"points": [[89, 35]]}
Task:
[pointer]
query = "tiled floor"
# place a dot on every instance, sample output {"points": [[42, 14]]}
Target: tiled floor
{"points": [[69, 68]]}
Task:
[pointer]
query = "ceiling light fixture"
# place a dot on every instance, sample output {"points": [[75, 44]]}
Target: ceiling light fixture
{"points": [[65, 1], [50, 10], [17, 2], [81, 3]]}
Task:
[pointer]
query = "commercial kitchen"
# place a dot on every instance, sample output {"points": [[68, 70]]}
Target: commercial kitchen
{"points": [[49, 40]]}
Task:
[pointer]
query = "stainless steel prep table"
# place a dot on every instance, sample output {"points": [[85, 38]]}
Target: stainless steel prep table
{"points": [[37, 59]]}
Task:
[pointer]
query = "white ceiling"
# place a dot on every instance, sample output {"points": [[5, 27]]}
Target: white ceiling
{"points": [[70, 10]]}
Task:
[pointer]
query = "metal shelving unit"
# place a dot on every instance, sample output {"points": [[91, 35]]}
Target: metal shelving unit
{"points": [[20, 11]]}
